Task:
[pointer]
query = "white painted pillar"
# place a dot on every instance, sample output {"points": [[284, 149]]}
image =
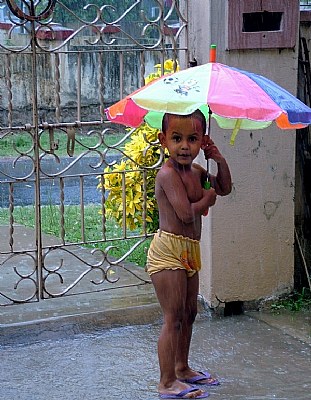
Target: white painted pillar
{"points": [[248, 237]]}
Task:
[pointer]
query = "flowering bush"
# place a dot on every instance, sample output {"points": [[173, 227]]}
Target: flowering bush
{"points": [[125, 180], [168, 69]]}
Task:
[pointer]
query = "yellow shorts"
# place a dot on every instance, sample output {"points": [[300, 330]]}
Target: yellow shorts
{"points": [[169, 251]]}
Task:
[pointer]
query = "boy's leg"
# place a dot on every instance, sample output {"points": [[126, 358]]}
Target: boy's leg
{"points": [[182, 368], [191, 306], [171, 290]]}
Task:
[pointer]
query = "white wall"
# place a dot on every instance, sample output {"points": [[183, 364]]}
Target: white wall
{"points": [[247, 242]]}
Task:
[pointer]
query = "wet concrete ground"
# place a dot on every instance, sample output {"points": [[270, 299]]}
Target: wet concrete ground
{"points": [[104, 346], [253, 361], [74, 168]]}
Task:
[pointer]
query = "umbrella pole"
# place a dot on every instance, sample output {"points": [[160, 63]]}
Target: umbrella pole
{"points": [[212, 58], [207, 184]]}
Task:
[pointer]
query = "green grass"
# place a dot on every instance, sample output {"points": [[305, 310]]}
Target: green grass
{"points": [[296, 301], [50, 221], [11, 144]]}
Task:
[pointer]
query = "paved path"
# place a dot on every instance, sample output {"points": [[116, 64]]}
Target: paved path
{"points": [[135, 291], [103, 347], [253, 360]]}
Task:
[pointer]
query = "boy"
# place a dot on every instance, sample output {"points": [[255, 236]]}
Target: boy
{"points": [[174, 255]]}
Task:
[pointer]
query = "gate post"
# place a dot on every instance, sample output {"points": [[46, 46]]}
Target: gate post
{"points": [[248, 237]]}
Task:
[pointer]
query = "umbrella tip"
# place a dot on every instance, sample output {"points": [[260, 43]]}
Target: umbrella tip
{"points": [[212, 53]]}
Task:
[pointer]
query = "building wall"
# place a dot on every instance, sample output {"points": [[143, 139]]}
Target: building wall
{"points": [[248, 237]]}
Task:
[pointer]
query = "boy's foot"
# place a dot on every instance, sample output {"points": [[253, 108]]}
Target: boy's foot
{"points": [[180, 390], [200, 378], [189, 393]]}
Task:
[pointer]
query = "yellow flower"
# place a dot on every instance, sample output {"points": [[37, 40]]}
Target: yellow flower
{"points": [[151, 77], [168, 69], [124, 180], [169, 65]]}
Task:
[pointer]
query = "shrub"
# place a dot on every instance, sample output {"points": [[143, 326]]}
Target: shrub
{"points": [[142, 156], [127, 175]]}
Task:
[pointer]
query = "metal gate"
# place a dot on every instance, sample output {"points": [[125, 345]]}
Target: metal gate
{"points": [[62, 63]]}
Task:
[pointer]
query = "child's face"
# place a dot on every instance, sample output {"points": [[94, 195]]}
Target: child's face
{"points": [[184, 137]]}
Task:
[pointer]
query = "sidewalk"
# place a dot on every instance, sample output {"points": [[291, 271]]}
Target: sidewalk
{"points": [[70, 270], [252, 359], [102, 346]]}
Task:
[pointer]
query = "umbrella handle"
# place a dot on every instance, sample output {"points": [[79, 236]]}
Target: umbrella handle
{"points": [[206, 186], [209, 134]]}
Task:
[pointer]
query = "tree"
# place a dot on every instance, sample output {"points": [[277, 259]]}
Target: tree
{"points": [[87, 10]]}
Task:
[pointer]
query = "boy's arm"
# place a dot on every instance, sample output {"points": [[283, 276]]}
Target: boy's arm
{"points": [[173, 187], [222, 182]]}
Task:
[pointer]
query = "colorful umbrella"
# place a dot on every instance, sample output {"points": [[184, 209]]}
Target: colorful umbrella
{"points": [[237, 99]]}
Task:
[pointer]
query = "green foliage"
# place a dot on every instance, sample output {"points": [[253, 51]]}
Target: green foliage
{"points": [[23, 142], [88, 14], [109, 14], [126, 176], [124, 181], [296, 301], [50, 219]]}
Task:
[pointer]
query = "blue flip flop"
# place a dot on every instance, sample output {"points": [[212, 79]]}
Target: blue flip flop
{"points": [[201, 377], [183, 394]]}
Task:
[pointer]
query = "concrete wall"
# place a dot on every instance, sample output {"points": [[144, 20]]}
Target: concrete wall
{"points": [[16, 73], [247, 242]]}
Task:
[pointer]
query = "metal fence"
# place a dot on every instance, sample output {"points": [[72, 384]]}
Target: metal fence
{"points": [[62, 63]]}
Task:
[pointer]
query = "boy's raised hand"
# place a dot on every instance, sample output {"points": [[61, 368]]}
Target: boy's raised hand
{"points": [[211, 150], [209, 196]]}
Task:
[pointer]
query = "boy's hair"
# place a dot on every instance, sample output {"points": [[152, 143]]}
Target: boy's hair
{"points": [[197, 114]]}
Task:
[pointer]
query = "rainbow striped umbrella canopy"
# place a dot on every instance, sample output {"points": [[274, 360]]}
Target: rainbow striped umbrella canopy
{"points": [[237, 99]]}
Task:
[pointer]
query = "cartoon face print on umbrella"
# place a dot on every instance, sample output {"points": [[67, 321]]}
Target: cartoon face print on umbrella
{"points": [[182, 88]]}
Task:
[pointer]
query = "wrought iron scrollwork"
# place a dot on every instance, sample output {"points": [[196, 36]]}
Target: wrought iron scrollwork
{"points": [[52, 115], [31, 6]]}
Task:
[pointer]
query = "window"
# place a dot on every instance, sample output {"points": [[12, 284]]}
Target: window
{"points": [[262, 21], [254, 24]]}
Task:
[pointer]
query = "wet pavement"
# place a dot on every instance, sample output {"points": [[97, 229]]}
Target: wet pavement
{"points": [[71, 169], [252, 360], [100, 346]]}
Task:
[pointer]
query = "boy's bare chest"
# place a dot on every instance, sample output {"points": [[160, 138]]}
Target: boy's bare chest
{"points": [[193, 186]]}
